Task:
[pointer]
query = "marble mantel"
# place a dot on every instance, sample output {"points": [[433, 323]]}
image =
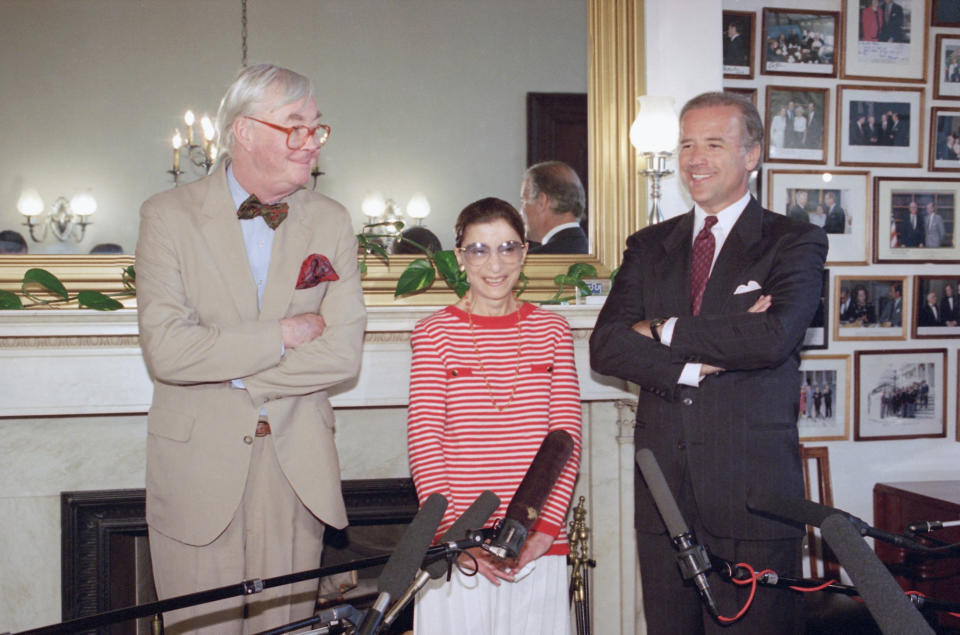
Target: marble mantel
{"points": [[73, 403]]}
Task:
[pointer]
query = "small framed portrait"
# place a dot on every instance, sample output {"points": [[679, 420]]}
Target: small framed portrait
{"points": [[945, 13], [946, 83], [837, 201], [799, 43], [879, 126], [914, 220], [747, 93], [869, 308], [738, 44], [796, 124], [944, 140], [900, 394], [816, 335], [824, 395], [885, 40], [936, 307]]}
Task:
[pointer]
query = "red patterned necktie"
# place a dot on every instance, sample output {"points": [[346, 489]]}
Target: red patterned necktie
{"points": [[703, 247], [272, 215]]}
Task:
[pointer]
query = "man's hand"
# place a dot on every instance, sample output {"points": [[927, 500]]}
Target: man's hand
{"points": [[763, 303], [301, 329], [643, 328]]}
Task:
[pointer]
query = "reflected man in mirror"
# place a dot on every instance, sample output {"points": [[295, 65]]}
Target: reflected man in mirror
{"points": [[553, 204], [12, 242], [250, 310]]}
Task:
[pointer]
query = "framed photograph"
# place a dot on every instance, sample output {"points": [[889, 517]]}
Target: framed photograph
{"points": [[945, 13], [885, 40], [946, 83], [837, 201], [796, 122], [900, 394], [799, 43], [879, 126], [936, 307], [824, 395], [738, 44], [748, 93], [869, 308], [944, 140], [816, 335], [914, 220]]}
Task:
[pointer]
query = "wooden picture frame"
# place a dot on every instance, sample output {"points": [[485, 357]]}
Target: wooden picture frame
{"points": [[879, 126], [802, 43], [890, 401], [893, 53], [749, 93], [946, 60], [826, 418], [899, 237], [844, 196], [738, 44], [870, 319], [944, 152], [943, 321], [792, 136], [945, 13]]}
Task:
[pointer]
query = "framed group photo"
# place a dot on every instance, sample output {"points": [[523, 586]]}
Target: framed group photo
{"points": [[915, 220], [870, 308], [837, 201], [900, 394], [796, 122], [936, 306], [738, 44], [946, 82], [879, 126], [799, 43], [885, 40], [944, 140], [824, 394]]}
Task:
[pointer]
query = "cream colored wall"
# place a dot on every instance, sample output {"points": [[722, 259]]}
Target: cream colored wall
{"points": [[425, 95]]}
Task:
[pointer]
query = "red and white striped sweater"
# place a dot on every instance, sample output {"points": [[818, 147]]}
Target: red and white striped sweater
{"points": [[459, 443]]}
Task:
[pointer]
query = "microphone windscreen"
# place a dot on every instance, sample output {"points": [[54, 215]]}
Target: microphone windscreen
{"points": [[540, 478], [889, 607], [797, 510], [474, 518], [662, 497], [407, 556]]}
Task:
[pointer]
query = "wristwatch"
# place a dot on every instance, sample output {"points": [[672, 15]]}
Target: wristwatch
{"points": [[655, 324]]}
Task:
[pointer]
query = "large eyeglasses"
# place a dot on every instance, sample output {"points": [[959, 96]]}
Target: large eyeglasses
{"points": [[510, 252], [297, 136]]}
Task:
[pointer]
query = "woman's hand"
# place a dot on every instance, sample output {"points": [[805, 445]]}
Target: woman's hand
{"points": [[536, 545], [487, 565]]}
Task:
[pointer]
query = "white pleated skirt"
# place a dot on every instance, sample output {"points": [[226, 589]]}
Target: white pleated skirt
{"points": [[535, 605]]}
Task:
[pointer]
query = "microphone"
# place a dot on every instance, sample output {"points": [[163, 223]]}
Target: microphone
{"points": [[693, 559], [524, 509], [806, 512], [405, 560], [886, 601], [474, 518], [931, 525]]}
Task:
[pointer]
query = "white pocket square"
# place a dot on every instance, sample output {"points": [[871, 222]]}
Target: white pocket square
{"points": [[753, 285]]}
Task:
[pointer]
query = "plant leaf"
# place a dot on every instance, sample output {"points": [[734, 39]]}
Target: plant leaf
{"points": [[584, 289], [46, 280], [524, 281], [97, 301], [613, 274], [580, 270], [418, 275], [378, 249], [9, 300], [559, 280], [447, 265]]}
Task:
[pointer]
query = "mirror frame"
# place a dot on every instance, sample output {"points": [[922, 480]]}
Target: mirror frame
{"points": [[617, 193]]}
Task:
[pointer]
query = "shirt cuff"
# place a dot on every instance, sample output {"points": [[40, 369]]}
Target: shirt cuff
{"points": [[238, 383], [666, 331], [690, 375]]}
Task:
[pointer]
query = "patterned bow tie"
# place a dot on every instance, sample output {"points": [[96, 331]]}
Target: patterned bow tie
{"points": [[272, 215]]}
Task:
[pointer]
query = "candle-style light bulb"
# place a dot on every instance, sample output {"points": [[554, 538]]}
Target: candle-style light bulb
{"points": [[177, 142], [189, 118]]}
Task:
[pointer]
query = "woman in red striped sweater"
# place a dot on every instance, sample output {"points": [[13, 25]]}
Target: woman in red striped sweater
{"points": [[491, 376]]}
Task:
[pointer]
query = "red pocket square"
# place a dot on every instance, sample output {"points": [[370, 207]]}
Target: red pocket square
{"points": [[314, 270]]}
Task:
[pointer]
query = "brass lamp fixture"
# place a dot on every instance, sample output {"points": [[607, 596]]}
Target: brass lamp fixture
{"points": [[654, 134], [67, 220]]}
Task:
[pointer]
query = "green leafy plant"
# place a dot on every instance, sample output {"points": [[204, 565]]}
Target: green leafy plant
{"points": [[42, 281], [573, 279]]}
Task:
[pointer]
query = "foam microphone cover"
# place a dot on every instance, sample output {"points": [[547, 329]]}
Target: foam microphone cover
{"points": [[474, 518], [403, 564], [889, 607], [662, 497], [540, 478]]}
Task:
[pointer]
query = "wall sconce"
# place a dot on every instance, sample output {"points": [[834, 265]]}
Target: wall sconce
{"points": [[67, 220], [384, 213], [654, 134], [203, 155], [418, 207]]}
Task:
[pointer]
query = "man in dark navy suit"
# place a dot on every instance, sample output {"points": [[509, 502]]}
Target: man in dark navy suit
{"points": [[553, 204], [717, 365]]}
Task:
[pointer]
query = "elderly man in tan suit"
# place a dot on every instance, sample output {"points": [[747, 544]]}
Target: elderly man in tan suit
{"points": [[250, 310]]}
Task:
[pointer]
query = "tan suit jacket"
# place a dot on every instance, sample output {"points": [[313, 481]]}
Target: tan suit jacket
{"points": [[200, 328]]}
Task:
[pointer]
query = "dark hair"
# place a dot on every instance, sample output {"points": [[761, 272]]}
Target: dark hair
{"points": [[752, 133], [107, 248], [421, 236], [12, 242], [487, 210], [561, 184]]}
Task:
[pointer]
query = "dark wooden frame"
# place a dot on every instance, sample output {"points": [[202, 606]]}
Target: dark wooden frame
{"points": [[928, 253], [768, 122], [918, 297], [933, 17], [862, 334], [932, 138], [837, 43], [941, 40], [751, 41]]}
